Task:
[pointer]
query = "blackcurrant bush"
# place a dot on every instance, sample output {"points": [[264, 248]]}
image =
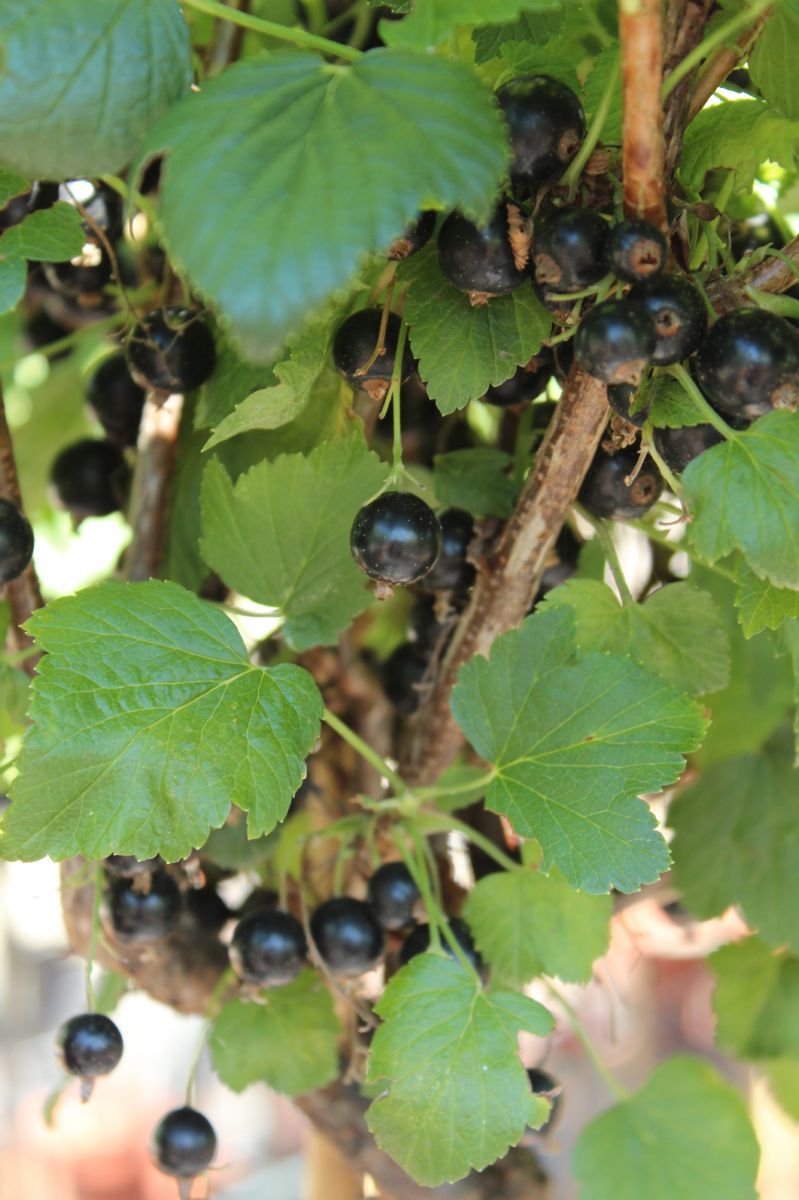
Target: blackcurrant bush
{"points": [[615, 342], [525, 383], [183, 1143], [16, 541], [355, 343], [125, 866], [172, 350], [396, 538], [392, 895], [90, 478], [636, 250], [84, 275], [547, 126], [542, 1084], [416, 235], [677, 312], [487, 261], [402, 675], [749, 364], [268, 947], [620, 399], [418, 941], [606, 494], [452, 570], [41, 195], [117, 400], [569, 249], [144, 916], [678, 447], [207, 908], [89, 1045], [348, 935]]}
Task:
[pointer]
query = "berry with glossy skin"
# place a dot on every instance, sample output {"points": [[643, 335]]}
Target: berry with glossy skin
{"points": [[525, 383], [481, 260], [90, 478], [452, 571], [402, 674], [392, 895], [679, 447], [117, 400], [144, 916], [605, 493], [620, 399], [615, 342], [354, 344], [348, 936], [547, 125], [418, 941], [171, 350], [569, 249], [678, 313], [542, 1084], [207, 908], [268, 947], [183, 1143], [416, 235], [89, 1045], [636, 250], [84, 275], [16, 541], [749, 364], [396, 538]]}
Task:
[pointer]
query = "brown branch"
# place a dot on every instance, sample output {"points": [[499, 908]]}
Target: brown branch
{"points": [[683, 30], [152, 478], [773, 275], [717, 68], [643, 158], [23, 594]]}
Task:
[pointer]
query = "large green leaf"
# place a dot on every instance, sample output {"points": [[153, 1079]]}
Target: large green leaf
{"points": [[83, 79], [456, 1095], [50, 235], [475, 479], [148, 723], [756, 1000], [431, 21], [293, 169], [574, 742], [761, 605], [739, 137], [772, 61]]}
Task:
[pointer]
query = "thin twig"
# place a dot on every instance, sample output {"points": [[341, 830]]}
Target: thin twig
{"points": [[641, 34], [717, 68], [152, 479]]}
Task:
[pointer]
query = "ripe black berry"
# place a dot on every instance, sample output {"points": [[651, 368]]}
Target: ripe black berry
{"points": [[569, 249], [348, 935], [636, 250], [396, 538], [402, 674], [183, 1143], [487, 261], [418, 941], [565, 557], [172, 350], [355, 343], [16, 541], [525, 383], [268, 947], [542, 1084], [452, 571], [749, 364], [144, 916], [207, 908], [605, 493], [546, 124], [615, 342], [416, 235], [393, 894], [89, 1045], [678, 313], [620, 399], [90, 478], [678, 447], [117, 400], [84, 275]]}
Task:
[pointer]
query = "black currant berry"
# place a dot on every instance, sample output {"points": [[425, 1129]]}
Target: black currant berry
{"points": [[416, 235], [41, 195], [547, 125], [355, 343], [677, 312], [525, 383], [144, 916], [117, 400], [605, 492], [207, 908], [396, 538], [452, 571], [487, 261], [348, 935], [90, 478], [636, 250], [171, 350], [615, 342], [402, 675], [418, 941], [268, 947], [16, 542], [183, 1143], [125, 866], [569, 250], [542, 1084], [84, 275], [393, 894], [89, 1045], [749, 364], [565, 555], [678, 447], [620, 399]]}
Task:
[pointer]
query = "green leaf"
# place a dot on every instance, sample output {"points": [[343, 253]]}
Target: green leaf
{"points": [[148, 723], [761, 605], [783, 1079], [605, 65], [432, 21], [530, 29], [13, 275], [476, 480], [790, 635], [83, 79], [51, 235], [744, 494], [287, 1039], [737, 136], [736, 842], [12, 185], [14, 696], [686, 1133], [526, 924], [670, 406], [270, 151], [464, 348], [756, 1000], [456, 1095], [676, 631], [574, 743], [232, 381], [772, 63], [281, 534]]}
